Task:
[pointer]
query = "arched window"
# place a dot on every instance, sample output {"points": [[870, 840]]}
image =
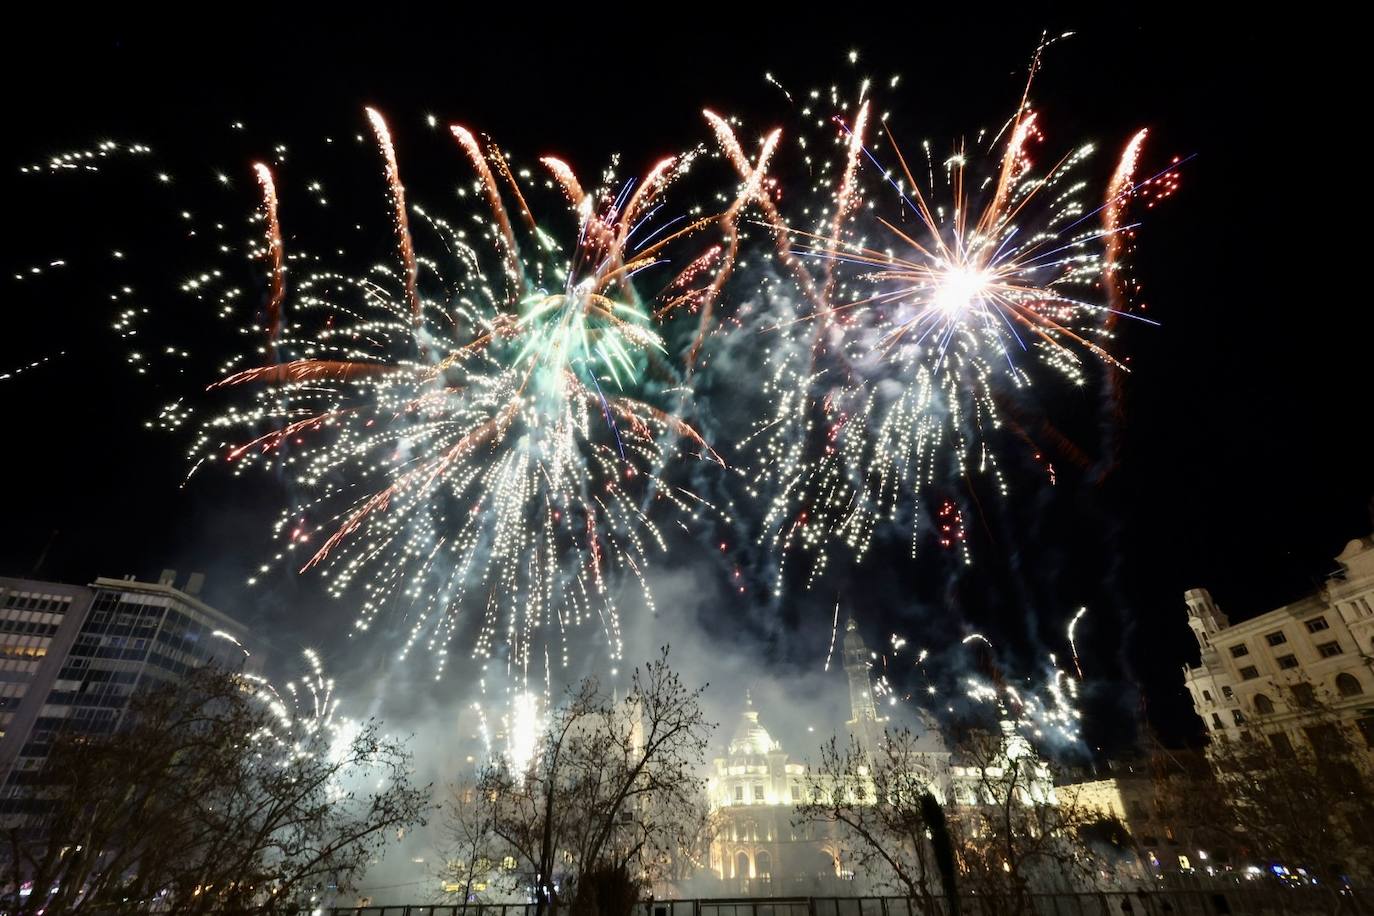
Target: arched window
{"points": [[763, 864], [1263, 705], [1347, 685], [742, 865]]}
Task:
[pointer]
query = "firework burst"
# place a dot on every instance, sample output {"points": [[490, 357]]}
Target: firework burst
{"points": [[929, 294], [1042, 709], [477, 428], [306, 712]]}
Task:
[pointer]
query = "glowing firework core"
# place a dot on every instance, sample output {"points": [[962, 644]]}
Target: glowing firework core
{"points": [[957, 290], [524, 727]]}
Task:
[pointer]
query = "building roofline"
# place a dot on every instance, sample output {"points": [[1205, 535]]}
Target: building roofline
{"points": [[134, 585], [1309, 606], [25, 582]]}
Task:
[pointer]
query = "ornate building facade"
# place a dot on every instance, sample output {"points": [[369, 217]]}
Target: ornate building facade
{"points": [[1263, 678], [753, 790], [1138, 794], [755, 787]]}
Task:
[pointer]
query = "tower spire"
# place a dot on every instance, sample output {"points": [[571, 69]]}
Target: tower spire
{"points": [[862, 710]]}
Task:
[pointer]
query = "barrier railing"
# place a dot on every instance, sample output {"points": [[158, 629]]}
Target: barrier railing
{"points": [[1268, 901]]}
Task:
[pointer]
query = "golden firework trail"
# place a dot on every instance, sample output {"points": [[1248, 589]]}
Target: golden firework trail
{"points": [[274, 249]]}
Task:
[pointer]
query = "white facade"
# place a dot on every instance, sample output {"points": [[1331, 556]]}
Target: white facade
{"points": [[756, 770], [1257, 672], [754, 788]]}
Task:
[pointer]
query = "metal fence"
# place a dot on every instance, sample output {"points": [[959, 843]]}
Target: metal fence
{"points": [[1269, 901]]}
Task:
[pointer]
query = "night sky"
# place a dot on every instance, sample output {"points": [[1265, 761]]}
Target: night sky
{"points": [[1244, 464]]}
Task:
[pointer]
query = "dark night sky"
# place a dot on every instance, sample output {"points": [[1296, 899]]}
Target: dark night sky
{"points": [[1244, 464]]}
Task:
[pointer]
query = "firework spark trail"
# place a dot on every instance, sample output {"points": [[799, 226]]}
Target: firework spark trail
{"points": [[566, 179], [834, 628], [1045, 710], [274, 249], [1119, 193], [750, 191], [1073, 646], [522, 723], [1118, 196], [305, 370], [725, 136], [618, 271], [1025, 709], [846, 199], [500, 441], [398, 198], [30, 366], [306, 711], [498, 208]]}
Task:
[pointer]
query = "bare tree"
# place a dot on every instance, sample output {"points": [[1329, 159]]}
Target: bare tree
{"points": [[1012, 835], [203, 801], [1298, 790], [1179, 801], [883, 809], [611, 800], [468, 866]]}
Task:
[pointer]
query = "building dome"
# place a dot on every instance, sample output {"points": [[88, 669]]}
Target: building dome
{"points": [[750, 736]]}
